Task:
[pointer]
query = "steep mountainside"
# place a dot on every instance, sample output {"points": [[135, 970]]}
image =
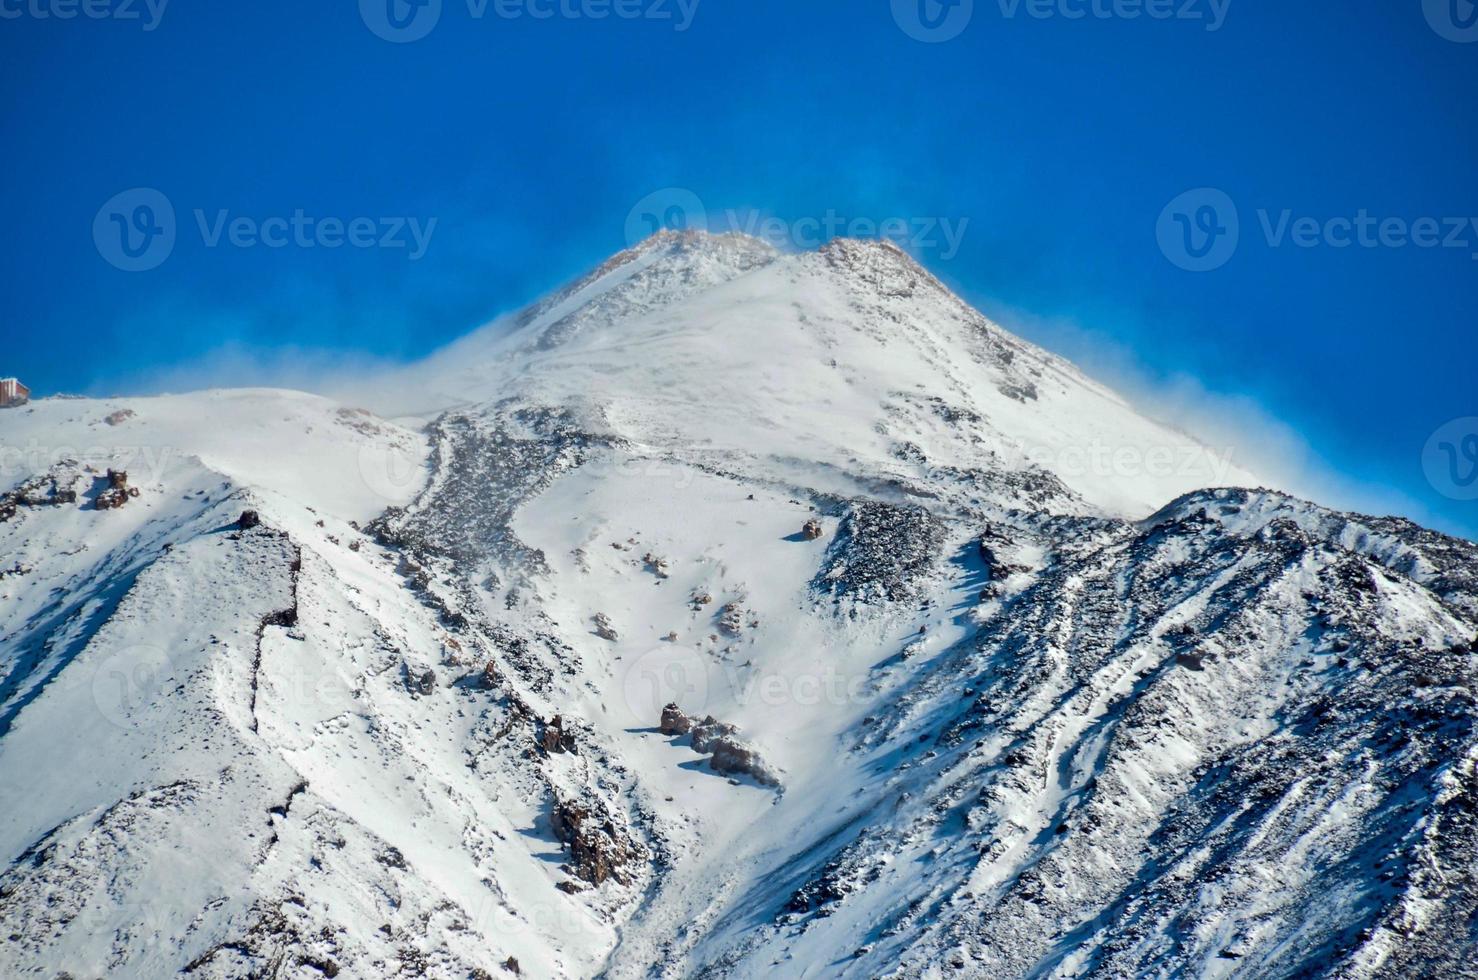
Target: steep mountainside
{"points": [[729, 614]]}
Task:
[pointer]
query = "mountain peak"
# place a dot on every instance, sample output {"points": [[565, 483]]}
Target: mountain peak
{"points": [[885, 554]]}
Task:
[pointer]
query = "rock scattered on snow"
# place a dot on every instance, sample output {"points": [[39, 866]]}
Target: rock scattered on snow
{"points": [[603, 627]]}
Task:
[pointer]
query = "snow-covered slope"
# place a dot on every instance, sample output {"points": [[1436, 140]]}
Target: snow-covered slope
{"points": [[731, 614]]}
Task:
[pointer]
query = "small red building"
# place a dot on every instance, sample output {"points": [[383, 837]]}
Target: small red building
{"points": [[13, 393]]}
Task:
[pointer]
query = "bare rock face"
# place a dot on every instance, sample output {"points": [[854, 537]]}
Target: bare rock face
{"points": [[120, 416], [599, 850], [729, 754], [423, 684], [674, 722], [732, 757], [882, 553], [555, 738], [710, 730], [117, 493]]}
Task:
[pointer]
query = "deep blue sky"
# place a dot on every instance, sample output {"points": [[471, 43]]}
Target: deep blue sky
{"points": [[529, 141]]}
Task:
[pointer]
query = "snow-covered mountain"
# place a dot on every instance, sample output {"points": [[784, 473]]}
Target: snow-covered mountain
{"points": [[727, 613]]}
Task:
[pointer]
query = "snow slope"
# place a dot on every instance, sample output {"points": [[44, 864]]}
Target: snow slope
{"points": [[1018, 685]]}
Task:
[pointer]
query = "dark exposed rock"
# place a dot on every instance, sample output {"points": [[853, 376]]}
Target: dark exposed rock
{"points": [[731, 618], [555, 738], [599, 850], [674, 722], [732, 757], [728, 753], [881, 552], [52, 489], [248, 520], [603, 627], [117, 493], [490, 465]]}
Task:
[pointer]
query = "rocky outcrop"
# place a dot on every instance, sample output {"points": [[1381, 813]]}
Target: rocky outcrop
{"points": [[599, 849], [734, 758], [555, 737], [881, 553], [728, 753], [116, 493], [49, 490], [732, 618], [674, 722]]}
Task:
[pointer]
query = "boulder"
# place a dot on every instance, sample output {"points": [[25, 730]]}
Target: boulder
{"points": [[117, 493], [708, 731], [675, 722], [732, 757]]}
